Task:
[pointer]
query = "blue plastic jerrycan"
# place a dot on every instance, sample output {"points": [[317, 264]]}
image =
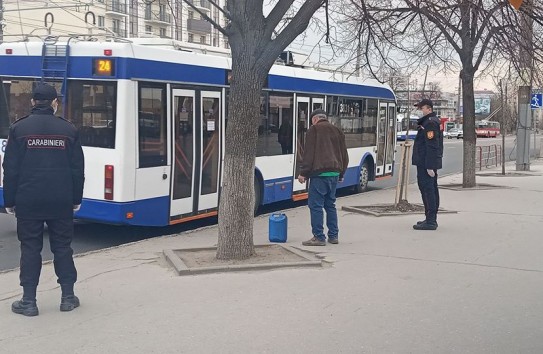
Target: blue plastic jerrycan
{"points": [[278, 228]]}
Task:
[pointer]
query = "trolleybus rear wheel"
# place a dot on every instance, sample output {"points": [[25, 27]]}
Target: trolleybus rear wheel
{"points": [[363, 179], [258, 195]]}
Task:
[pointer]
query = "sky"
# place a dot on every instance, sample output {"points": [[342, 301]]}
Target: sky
{"points": [[313, 42]]}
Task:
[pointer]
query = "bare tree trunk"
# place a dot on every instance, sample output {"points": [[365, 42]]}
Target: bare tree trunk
{"points": [[470, 138], [236, 205], [253, 54]]}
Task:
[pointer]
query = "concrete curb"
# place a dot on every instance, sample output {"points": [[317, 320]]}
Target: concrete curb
{"points": [[361, 210], [182, 268]]}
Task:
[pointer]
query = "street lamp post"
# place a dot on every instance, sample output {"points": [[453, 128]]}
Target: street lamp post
{"points": [[1, 21], [524, 91]]}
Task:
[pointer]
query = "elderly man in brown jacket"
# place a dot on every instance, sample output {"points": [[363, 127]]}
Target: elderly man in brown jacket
{"points": [[324, 163]]}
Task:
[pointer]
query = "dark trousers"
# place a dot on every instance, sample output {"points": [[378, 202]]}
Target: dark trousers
{"points": [[30, 234], [286, 149], [429, 192]]}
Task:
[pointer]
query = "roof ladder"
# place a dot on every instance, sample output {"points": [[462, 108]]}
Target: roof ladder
{"points": [[55, 61]]}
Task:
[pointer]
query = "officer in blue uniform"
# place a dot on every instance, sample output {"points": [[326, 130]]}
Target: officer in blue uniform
{"points": [[427, 156], [43, 183]]}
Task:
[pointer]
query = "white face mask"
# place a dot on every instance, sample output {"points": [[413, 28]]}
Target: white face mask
{"points": [[55, 106]]}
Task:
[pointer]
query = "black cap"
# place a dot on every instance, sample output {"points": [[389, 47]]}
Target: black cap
{"points": [[44, 92], [425, 102], [317, 112]]}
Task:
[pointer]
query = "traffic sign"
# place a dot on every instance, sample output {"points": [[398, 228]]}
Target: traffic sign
{"points": [[536, 101]]}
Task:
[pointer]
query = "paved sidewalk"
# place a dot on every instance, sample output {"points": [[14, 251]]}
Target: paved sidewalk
{"points": [[473, 286]]}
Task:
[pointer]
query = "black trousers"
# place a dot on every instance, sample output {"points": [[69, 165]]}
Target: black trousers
{"points": [[429, 192], [30, 234]]}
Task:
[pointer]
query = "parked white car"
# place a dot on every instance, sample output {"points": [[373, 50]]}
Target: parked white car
{"points": [[454, 133]]}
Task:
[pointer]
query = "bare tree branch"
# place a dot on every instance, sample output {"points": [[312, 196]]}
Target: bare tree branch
{"points": [[276, 15], [207, 18], [471, 34], [224, 12], [296, 25], [293, 29]]}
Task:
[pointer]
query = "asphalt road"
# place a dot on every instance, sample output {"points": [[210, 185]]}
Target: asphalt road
{"points": [[90, 237]]}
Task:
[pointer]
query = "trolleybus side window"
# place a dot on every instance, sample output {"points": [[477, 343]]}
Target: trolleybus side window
{"points": [[331, 106], [91, 108], [350, 117], [18, 94], [276, 132], [5, 115], [152, 125], [355, 119], [15, 96]]}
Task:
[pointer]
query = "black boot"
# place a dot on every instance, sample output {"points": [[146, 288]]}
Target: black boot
{"points": [[423, 221], [427, 225], [25, 307], [68, 303]]}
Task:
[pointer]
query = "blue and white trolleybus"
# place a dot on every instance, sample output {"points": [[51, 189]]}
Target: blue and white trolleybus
{"points": [[152, 124]]}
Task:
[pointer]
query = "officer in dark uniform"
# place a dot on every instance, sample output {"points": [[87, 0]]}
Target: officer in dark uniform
{"points": [[43, 183], [427, 156]]}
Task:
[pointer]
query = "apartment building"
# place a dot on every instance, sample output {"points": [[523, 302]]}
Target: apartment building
{"points": [[121, 18]]}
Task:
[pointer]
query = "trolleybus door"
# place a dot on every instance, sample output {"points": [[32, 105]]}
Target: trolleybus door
{"points": [[391, 138], [184, 154], [317, 103], [386, 139], [209, 149], [382, 130], [302, 124], [196, 153]]}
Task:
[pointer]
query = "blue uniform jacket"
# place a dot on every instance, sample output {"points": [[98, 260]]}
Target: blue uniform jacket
{"points": [[428, 147]]}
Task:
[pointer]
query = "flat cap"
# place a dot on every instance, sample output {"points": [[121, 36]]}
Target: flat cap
{"points": [[317, 112], [44, 92]]}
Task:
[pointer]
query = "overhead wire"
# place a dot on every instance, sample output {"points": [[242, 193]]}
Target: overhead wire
{"points": [[325, 51]]}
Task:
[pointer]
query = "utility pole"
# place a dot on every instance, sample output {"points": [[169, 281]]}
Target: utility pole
{"points": [[358, 54], [458, 100], [525, 91], [1, 21], [424, 84], [502, 125], [534, 129]]}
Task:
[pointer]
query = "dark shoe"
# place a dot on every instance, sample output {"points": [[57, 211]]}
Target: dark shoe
{"points": [[25, 308], [68, 303], [314, 242], [423, 221], [333, 241], [425, 226]]}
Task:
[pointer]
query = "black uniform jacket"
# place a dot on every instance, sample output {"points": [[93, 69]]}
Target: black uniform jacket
{"points": [[43, 166], [428, 148]]}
